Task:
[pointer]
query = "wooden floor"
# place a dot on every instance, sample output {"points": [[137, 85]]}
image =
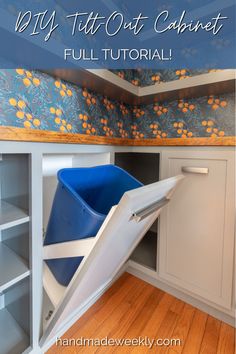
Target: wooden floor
{"points": [[133, 308]]}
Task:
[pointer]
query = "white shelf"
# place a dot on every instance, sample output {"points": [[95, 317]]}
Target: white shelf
{"points": [[12, 268], [12, 337], [191, 82], [10, 215]]}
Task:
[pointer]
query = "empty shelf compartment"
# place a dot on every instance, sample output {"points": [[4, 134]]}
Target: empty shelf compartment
{"points": [[146, 251], [145, 167], [15, 318], [11, 215], [13, 268], [13, 339]]}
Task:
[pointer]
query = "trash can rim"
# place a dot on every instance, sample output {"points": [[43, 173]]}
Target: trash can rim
{"points": [[77, 196]]}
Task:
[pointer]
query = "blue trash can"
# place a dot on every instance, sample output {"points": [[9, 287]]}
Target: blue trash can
{"points": [[83, 198]]}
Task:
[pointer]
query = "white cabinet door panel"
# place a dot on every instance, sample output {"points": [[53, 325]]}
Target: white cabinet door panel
{"points": [[197, 238]]}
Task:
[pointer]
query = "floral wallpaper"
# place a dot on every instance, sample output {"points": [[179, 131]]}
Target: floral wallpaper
{"points": [[142, 77], [199, 117], [34, 100], [31, 99]]}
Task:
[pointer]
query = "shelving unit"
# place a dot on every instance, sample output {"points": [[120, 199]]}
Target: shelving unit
{"points": [[145, 167], [14, 254]]}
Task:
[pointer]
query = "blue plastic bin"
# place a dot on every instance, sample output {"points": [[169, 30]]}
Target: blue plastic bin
{"points": [[83, 198]]}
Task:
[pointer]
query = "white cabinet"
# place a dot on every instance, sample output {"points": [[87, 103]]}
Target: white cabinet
{"points": [[197, 228], [195, 238]]}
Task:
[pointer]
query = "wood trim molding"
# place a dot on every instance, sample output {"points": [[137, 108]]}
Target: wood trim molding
{"points": [[45, 136], [201, 141], [42, 136]]}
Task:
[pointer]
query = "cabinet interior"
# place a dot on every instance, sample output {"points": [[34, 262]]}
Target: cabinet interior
{"points": [[15, 318], [15, 180], [17, 239], [144, 167]]}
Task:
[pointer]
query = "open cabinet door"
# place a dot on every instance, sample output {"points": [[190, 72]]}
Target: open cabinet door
{"points": [[120, 233]]}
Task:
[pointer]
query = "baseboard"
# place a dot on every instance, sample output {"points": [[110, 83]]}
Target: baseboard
{"points": [[220, 315]]}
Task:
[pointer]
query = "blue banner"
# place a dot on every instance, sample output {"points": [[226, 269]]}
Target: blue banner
{"points": [[117, 34]]}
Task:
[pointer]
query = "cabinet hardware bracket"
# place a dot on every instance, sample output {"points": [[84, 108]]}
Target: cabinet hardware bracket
{"points": [[150, 209], [198, 170]]}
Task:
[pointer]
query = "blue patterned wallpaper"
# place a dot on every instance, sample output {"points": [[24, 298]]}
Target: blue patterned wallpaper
{"points": [[199, 117], [34, 100]]}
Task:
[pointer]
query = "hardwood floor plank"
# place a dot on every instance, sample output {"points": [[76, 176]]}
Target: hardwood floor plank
{"points": [[211, 336], [155, 322], [131, 304], [194, 339], [135, 319], [226, 344], [177, 306], [166, 330], [182, 328]]}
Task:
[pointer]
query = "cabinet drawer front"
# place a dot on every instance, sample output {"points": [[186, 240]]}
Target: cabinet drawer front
{"points": [[196, 245]]}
